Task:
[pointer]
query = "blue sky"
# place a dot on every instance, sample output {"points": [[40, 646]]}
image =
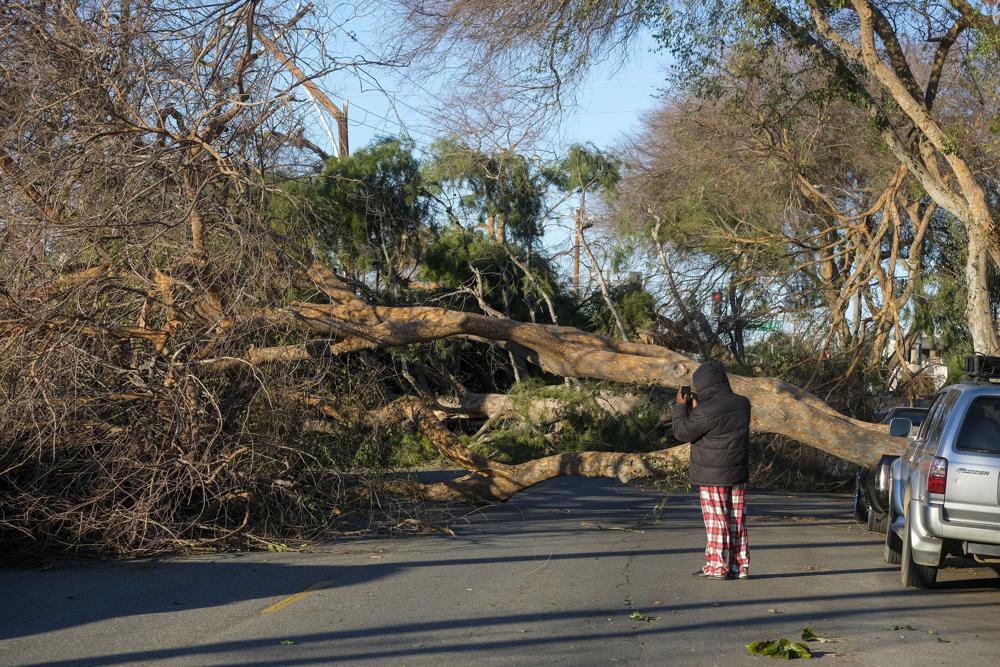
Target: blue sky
{"points": [[608, 106]]}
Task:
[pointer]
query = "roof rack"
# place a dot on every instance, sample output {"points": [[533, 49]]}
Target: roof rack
{"points": [[982, 368]]}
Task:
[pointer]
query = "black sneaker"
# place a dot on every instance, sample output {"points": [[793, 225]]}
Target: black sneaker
{"points": [[715, 577]]}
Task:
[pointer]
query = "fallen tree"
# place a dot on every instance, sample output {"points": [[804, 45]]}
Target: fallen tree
{"points": [[346, 324], [778, 407], [341, 323]]}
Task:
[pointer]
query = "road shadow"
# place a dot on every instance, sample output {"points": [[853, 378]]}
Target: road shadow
{"points": [[389, 642], [821, 573], [40, 602]]}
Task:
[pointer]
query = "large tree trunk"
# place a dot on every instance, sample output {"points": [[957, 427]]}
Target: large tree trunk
{"points": [[778, 407], [978, 309], [499, 406], [491, 481]]}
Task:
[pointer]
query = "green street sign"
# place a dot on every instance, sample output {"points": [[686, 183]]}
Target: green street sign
{"points": [[770, 325]]}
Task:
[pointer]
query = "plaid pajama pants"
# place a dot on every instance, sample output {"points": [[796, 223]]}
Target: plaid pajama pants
{"points": [[727, 550]]}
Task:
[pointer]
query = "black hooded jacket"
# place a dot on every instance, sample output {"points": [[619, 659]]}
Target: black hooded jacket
{"points": [[718, 429]]}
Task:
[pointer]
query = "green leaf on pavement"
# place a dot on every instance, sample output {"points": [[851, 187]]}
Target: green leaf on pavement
{"points": [[783, 649], [639, 616], [809, 635], [287, 642]]}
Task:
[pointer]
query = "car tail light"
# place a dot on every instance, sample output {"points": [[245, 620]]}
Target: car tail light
{"points": [[937, 476]]}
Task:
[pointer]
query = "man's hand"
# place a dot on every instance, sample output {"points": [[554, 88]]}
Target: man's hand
{"points": [[682, 400]]}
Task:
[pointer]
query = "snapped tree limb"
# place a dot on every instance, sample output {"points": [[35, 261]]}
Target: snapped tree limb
{"points": [[778, 406]]}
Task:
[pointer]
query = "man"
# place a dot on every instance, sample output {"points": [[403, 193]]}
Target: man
{"points": [[717, 424]]}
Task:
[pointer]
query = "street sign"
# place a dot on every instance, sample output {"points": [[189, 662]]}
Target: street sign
{"points": [[769, 325]]}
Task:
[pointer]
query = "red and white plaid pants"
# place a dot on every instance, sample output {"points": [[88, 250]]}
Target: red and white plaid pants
{"points": [[727, 550]]}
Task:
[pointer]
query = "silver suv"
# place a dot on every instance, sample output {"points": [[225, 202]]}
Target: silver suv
{"points": [[945, 487]]}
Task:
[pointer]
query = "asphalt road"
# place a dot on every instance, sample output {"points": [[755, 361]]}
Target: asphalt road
{"points": [[551, 577]]}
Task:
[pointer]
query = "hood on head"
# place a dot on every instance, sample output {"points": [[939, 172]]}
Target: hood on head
{"points": [[710, 380]]}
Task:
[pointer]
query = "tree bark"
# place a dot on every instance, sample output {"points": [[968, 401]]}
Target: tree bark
{"points": [[978, 310], [498, 406]]}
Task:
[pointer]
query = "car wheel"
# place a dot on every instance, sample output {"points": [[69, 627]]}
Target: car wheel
{"points": [[877, 523], [893, 551], [913, 574], [860, 506]]}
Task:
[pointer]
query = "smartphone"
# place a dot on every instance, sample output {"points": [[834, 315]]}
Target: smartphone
{"points": [[686, 393]]}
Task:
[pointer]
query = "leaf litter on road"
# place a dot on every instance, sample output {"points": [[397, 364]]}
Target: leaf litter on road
{"points": [[639, 616], [809, 635], [593, 525], [783, 649]]}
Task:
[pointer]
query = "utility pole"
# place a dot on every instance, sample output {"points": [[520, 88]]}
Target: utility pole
{"points": [[581, 216], [342, 134], [576, 251]]}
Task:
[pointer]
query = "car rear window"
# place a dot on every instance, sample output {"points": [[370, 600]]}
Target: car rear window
{"points": [[916, 417], [981, 428]]}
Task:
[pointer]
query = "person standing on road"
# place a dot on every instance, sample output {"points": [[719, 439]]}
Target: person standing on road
{"points": [[717, 424]]}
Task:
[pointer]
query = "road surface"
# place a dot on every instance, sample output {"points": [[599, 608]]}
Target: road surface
{"points": [[552, 577]]}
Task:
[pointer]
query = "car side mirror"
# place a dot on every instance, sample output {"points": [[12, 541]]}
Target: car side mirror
{"points": [[900, 427]]}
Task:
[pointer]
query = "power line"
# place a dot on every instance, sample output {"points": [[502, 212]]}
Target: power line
{"points": [[397, 122]]}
